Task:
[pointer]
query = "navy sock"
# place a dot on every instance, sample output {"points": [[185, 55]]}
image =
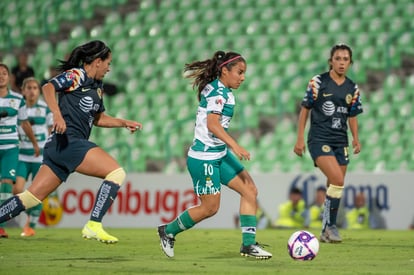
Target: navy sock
{"points": [[11, 208], [330, 211], [106, 195], [334, 210]]}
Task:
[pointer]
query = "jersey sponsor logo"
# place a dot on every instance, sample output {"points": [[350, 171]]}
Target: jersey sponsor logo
{"points": [[85, 89], [86, 104], [342, 110], [336, 123], [326, 95], [328, 108], [5, 130]]}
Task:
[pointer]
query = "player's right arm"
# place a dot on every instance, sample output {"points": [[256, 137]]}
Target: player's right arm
{"points": [[300, 147], [214, 126], [49, 94]]}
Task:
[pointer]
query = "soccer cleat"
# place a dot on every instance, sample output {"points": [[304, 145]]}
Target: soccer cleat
{"points": [[28, 232], [94, 230], [166, 241], [256, 251], [3, 233], [330, 235]]}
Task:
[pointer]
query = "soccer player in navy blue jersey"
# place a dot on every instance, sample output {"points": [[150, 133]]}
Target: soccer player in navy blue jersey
{"points": [[80, 106], [333, 100]]}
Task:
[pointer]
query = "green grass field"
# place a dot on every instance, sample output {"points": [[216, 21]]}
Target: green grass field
{"points": [[201, 251]]}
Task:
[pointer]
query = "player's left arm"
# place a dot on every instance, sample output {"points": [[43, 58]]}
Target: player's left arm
{"points": [[353, 125], [106, 121], [355, 110], [27, 128]]}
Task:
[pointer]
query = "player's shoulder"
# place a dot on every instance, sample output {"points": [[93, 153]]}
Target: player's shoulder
{"points": [[322, 77], [215, 88], [76, 74], [16, 95], [41, 103], [350, 82]]}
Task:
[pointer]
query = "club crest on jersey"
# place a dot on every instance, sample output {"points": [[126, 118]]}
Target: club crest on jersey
{"points": [[326, 148], [348, 98], [70, 76], [13, 103]]}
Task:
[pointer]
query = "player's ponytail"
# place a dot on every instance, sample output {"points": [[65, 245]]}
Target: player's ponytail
{"points": [[208, 70], [85, 54]]}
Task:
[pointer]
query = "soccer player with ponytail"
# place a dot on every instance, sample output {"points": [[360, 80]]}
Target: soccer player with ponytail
{"points": [[213, 159], [80, 106]]}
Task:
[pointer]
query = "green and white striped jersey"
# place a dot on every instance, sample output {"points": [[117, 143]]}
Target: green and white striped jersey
{"points": [[12, 108], [218, 99], [41, 119]]}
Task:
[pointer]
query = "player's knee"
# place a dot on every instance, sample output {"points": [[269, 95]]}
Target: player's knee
{"points": [[28, 199], [250, 191], [211, 209], [209, 212], [335, 191], [117, 176]]}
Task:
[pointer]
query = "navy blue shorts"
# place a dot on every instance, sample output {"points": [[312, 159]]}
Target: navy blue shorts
{"points": [[63, 155], [320, 149]]}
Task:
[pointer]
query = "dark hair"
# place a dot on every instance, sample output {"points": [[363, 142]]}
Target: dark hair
{"points": [[340, 46], [295, 190], [208, 70], [321, 188], [85, 54], [5, 66]]}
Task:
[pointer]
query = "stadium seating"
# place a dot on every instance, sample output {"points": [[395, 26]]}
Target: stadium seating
{"points": [[152, 43]]}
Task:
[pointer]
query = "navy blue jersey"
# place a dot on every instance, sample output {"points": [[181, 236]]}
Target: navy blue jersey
{"points": [[331, 106], [80, 100]]}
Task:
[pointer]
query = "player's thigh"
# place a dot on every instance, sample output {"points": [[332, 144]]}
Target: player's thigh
{"points": [[205, 175], [331, 169], [9, 162], [97, 163]]}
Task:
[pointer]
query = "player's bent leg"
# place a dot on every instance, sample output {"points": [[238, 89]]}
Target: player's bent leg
{"points": [[166, 241], [94, 230], [244, 185], [6, 187], [208, 207], [104, 199], [13, 206], [33, 215], [256, 251]]}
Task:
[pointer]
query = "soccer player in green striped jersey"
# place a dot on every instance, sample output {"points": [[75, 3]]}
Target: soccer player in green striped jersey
{"points": [[41, 120], [12, 109], [213, 159]]}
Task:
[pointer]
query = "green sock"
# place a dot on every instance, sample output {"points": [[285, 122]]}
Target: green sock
{"points": [[5, 193], [248, 226], [34, 214], [181, 223]]}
